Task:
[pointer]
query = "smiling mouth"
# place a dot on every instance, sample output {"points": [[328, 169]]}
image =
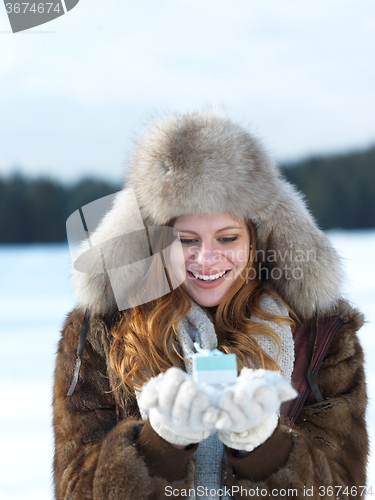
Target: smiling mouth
{"points": [[212, 277]]}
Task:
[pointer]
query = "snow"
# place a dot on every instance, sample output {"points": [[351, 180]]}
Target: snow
{"points": [[35, 296]]}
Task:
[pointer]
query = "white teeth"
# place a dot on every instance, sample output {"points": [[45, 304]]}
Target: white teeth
{"points": [[208, 278]]}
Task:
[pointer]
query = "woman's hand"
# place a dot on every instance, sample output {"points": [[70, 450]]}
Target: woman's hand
{"points": [[249, 408], [178, 411], [256, 395]]}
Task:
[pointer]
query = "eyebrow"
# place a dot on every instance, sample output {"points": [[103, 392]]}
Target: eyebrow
{"points": [[218, 231]]}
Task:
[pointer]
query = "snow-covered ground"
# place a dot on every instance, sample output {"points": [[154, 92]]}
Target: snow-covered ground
{"points": [[35, 295]]}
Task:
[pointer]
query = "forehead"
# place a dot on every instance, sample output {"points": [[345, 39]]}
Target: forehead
{"points": [[207, 222]]}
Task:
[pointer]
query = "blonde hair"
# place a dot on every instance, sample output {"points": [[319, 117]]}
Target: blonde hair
{"points": [[146, 340]]}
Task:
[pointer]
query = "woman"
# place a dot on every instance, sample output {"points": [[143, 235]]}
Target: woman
{"points": [[250, 268]]}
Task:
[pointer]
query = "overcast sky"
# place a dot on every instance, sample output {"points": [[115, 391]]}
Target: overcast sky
{"points": [[301, 74]]}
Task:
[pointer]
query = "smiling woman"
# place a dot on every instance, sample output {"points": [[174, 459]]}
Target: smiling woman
{"points": [[136, 423]]}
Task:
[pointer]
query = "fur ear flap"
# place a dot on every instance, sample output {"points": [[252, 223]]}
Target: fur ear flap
{"points": [[295, 257], [94, 266], [124, 264]]}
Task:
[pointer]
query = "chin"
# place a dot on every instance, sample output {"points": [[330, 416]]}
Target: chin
{"points": [[205, 300], [207, 303]]}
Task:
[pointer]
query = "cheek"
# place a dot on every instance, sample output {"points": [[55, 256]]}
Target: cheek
{"points": [[175, 262], [242, 254], [187, 252]]}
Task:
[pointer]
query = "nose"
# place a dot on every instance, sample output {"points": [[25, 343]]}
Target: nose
{"points": [[204, 255]]}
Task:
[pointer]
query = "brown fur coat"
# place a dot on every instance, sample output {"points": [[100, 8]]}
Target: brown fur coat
{"points": [[104, 451]]}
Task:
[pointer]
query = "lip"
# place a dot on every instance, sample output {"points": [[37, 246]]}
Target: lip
{"points": [[208, 284]]}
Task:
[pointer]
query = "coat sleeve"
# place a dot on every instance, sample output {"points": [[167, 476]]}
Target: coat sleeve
{"points": [[99, 455], [324, 453]]}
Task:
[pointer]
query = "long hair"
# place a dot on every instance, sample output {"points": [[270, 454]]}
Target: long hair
{"points": [[146, 340]]}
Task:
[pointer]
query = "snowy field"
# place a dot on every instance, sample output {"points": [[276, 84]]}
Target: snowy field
{"points": [[35, 295]]}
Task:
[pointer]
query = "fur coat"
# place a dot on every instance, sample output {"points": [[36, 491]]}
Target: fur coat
{"points": [[203, 163], [104, 451]]}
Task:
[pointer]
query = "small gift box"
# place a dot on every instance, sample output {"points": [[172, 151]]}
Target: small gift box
{"points": [[213, 367]]}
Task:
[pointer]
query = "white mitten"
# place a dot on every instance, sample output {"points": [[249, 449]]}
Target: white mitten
{"points": [[179, 412], [250, 408]]}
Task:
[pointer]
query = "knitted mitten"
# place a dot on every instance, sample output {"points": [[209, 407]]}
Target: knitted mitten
{"points": [[179, 412], [250, 408]]}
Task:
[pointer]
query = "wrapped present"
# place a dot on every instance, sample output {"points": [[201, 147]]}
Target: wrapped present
{"points": [[213, 367]]}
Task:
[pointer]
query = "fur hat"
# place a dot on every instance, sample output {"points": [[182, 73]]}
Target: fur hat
{"points": [[203, 163]]}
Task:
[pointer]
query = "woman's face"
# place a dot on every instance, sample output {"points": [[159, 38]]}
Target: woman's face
{"points": [[216, 251]]}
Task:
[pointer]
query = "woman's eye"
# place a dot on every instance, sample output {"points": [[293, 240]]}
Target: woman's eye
{"points": [[192, 241], [229, 239], [186, 241]]}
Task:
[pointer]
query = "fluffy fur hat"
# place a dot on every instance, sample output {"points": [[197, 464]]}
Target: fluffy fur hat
{"points": [[203, 163]]}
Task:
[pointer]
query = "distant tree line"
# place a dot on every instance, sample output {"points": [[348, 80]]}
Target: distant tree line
{"points": [[36, 210], [339, 190]]}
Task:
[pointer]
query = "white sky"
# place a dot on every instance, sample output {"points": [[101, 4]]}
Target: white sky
{"points": [[301, 74]]}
